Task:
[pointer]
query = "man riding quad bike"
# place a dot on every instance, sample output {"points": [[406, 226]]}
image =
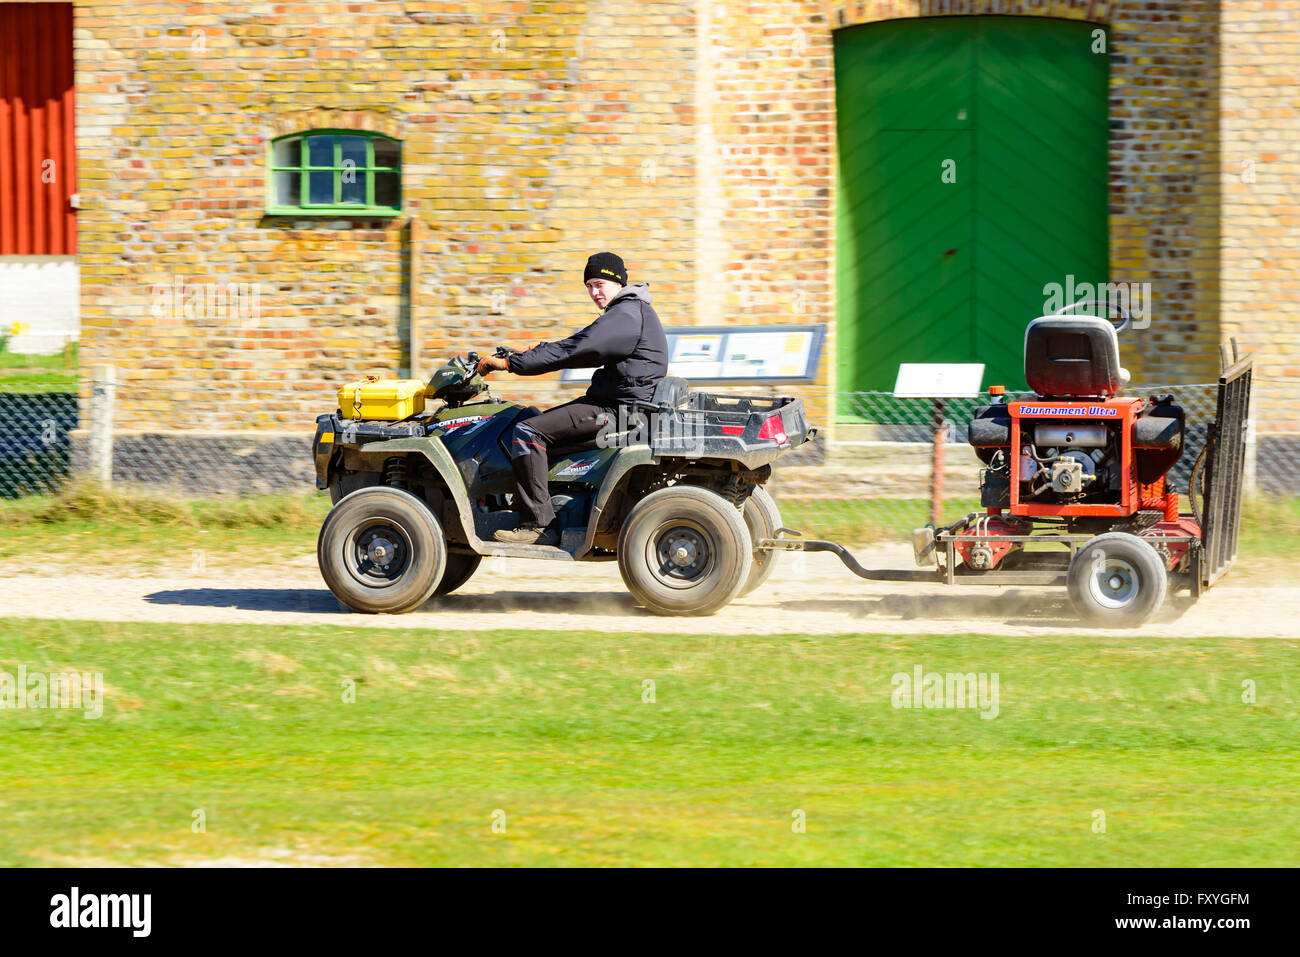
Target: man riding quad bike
{"points": [[629, 345], [642, 471]]}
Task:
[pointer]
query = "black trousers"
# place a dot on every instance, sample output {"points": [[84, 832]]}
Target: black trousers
{"points": [[572, 422]]}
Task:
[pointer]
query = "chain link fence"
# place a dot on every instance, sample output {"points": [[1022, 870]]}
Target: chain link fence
{"points": [[213, 441], [875, 428], [35, 442], [206, 441], [878, 479]]}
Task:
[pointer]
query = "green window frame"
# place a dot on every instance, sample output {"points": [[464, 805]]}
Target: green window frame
{"points": [[334, 172]]}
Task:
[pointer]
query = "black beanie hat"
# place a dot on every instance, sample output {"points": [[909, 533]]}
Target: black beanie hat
{"points": [[605, 266]]}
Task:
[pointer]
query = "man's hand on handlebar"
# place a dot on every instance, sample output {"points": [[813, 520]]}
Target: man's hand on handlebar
{"points": [[492, 364]]}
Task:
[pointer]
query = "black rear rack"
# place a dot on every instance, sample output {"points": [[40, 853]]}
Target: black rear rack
{"points": [[708, 425], [1225, 469]]}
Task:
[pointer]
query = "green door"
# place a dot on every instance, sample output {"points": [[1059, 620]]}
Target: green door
{"points": [[972, 174]]}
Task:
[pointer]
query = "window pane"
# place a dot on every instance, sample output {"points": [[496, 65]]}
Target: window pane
{"points": [[352, 148], [320, 151], [287, 152], [287, 189], [354, 191], [320, 188], [387, 152], [387, 188]]}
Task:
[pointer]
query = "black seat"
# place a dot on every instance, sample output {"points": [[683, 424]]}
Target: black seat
{"points": [[671, 390], [560, 451], [1073, 356]]}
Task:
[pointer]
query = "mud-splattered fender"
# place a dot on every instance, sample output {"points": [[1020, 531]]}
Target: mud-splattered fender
{"points": [[436, 453], [626, 460]]}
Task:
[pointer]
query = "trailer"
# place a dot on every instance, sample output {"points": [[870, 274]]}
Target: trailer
{"points": [[1075, 484]]}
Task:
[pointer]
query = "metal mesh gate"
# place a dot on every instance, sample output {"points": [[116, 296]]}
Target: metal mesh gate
{"points": [[1225, 471]]}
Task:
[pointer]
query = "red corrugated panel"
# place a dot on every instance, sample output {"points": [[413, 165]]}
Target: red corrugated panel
{"points": [[38, 166]]}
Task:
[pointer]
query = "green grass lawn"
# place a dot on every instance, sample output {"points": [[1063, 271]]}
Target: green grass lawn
{"points": [[867, 520], [32, 373], [248, 725]]}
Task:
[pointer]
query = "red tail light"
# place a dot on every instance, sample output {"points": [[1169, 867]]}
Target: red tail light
{"points": [[733, 430], [773, 429]]}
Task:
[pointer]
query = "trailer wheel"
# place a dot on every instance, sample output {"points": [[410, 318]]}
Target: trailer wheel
{"points": [[381, 550], [684, 550], [460, 568], [1117, 579], [762, 519]]}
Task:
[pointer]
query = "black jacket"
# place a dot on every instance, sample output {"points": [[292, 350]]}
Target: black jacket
{"points": [[627, 342]]}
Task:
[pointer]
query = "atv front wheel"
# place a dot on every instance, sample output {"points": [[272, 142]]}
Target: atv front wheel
{"points": [[762, 519], [1117, 580], [684, 550], [381, 550]]}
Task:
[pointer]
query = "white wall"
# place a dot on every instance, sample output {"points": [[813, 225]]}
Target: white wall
{"points": [[44, 292]]}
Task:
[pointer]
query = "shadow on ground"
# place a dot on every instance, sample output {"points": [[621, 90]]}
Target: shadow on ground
{"points": [[1040, 609], [1028, 608], [249, 599], [320, 601]]}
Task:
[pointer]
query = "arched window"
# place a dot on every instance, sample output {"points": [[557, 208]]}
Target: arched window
{"points": [[335, 172]]}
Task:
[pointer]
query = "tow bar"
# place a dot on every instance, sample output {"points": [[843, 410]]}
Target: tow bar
{"points": [[800, 544]]}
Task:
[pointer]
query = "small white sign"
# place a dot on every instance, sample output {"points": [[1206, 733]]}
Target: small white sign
{"points": [[939, 380]]}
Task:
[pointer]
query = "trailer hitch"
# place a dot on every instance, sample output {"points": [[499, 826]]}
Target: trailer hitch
{"points": [[801, 544]]}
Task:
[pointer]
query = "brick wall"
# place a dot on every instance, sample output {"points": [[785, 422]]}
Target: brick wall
{"points": [[695, 138], [766, 172], [1260, 131], [533, 134]]}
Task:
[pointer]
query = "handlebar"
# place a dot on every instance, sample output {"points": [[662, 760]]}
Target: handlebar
{"points": [[1124, 313], [472, 359]]}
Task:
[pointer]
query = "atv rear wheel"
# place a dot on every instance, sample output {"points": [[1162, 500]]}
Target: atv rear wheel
{"points": [[381, 550], [762, 519], [684, 550], [459, 570], [1117, 580]]}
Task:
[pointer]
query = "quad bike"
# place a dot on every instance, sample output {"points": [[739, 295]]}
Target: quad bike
{"points": [[1076, 488], [671, 489]]}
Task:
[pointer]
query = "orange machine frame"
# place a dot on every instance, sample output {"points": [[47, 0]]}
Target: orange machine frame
{"points": [[1122, 411]]}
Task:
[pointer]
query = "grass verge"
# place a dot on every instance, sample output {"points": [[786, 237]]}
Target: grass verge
{"points": [[88, 525], [31, 373], [561, 734]]}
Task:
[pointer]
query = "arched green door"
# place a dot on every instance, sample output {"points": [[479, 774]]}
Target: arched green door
{"points": [[972, 173]]}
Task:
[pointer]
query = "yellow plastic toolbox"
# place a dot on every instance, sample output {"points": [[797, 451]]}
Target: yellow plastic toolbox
{"points": [[383, 399]]}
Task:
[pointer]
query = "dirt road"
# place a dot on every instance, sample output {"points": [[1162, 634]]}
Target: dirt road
{"points": [[810, 594]]}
